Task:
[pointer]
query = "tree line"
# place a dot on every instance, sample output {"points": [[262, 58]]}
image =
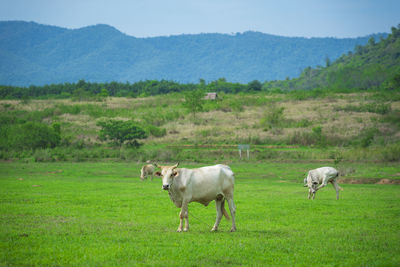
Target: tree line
{"points": [[86, 90]]}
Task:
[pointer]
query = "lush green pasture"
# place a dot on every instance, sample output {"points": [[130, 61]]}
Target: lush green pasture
{"points": [[102, 214]]}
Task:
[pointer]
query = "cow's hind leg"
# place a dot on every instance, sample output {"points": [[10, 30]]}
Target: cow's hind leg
{"points": [[219, 202], [232, 209]]}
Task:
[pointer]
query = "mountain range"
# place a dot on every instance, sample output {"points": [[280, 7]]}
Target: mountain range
{"points": [[37, 54]]}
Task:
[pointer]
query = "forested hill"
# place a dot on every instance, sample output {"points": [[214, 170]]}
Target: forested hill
{"points": [[38, 54], [372, 66]]}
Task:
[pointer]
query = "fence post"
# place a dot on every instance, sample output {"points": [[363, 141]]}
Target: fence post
{"points": [[244, 147]]}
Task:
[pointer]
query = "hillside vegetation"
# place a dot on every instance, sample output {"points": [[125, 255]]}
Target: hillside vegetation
{"points": [[35, 54], [373, 66], [361, 125]]}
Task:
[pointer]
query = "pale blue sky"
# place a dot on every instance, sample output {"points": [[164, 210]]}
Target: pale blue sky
{"points": [[143, 18]]}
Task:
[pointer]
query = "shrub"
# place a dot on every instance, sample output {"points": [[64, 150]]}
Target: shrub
{"points": [[301, 138], [319, 137], [273, 117], [43, 155], [29, 135], [156, 131], [365, 138], [68, 109], [315, 137], [379, 108], [392, 117], [392, 153], [121, 131], [303, 123]]}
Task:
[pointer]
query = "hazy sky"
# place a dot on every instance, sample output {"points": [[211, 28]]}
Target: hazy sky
{"points": [[143, 18]]}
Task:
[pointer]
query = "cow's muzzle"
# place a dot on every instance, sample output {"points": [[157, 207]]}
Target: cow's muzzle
{"points": [[165, 186]]}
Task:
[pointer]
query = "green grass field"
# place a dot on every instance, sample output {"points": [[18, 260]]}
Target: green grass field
{"points": [[101, 214]]}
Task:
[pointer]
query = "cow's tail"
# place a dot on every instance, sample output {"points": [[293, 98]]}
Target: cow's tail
{"points": [[224, 210]]}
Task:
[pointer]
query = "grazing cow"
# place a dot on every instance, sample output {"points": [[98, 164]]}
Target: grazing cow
{"points": [[201, 185], [147, 170], [321, 176]]}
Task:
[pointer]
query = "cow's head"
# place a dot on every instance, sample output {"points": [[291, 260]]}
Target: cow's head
{"points": [[311, 183], [142, 174], [167, 173]]}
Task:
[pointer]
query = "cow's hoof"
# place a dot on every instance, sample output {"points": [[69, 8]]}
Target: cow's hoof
{"points": [[233, 229], [179, 230], [214, 229]]}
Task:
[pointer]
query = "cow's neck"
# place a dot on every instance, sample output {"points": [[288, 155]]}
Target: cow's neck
{"points": [[174, 192]]}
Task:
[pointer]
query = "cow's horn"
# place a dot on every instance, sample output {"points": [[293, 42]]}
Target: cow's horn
{"points": [[176, 165]]}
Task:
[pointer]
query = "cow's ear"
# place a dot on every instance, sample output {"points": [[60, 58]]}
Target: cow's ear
{"points": [[175, 173], [158, 173]]}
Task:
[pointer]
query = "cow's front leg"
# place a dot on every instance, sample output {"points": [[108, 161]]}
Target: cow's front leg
{"points": [[309, 193], [182, 216], [337, 188], [324, 183]]}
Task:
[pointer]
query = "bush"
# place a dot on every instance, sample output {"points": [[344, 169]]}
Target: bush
{"points": [[29, 135], [365, 138], [316, 137], [392, 153], [120, 132], [301, 138], [379, 108], [43, 155], [319, 137], [68, 109], [156, 131], [273, 117]]}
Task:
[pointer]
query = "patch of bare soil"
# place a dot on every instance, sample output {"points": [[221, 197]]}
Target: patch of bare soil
{"points": [[369, 181], [389, 181]]}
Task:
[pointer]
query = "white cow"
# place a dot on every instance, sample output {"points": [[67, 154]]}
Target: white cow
{"points": [[201, 185], [321, 176], [147, 170]]}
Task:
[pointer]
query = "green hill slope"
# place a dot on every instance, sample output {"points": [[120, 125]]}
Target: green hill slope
{"points": [[374, 65]]}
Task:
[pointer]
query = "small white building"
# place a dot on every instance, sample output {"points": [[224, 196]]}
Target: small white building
{"points": [[211, 96]]}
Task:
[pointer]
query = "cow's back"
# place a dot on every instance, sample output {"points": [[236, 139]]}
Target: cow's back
{"points": [[149, 168], [327, 173], [205, 183]]}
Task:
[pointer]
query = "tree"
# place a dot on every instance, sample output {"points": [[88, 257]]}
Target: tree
{"points": [[80, 94], [327, 61], [254, 85], [194, 101], [120, 132], [104, 93], [371, 41]]}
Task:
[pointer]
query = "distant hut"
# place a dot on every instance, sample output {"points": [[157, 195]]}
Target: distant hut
{"points": [[211, 96]]}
